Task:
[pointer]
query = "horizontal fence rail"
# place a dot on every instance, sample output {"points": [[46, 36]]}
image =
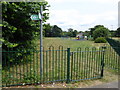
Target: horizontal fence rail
{"points": [[58, 65]]}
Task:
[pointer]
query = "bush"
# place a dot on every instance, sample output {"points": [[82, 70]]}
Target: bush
{"points": [[100, 40]]}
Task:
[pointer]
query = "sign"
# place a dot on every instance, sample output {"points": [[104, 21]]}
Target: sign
{"points": [[35, 17]]}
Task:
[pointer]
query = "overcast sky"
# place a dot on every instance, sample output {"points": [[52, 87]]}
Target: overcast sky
{"points": [[83, 14]]}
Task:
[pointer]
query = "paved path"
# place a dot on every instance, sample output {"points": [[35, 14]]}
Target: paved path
{"points": [[107, 85]]}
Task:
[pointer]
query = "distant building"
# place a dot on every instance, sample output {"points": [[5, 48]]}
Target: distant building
{"points": [[79, 36]]}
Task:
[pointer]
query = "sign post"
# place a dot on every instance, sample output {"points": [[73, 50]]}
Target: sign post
{"points": [[36, 18], [41, 42]]}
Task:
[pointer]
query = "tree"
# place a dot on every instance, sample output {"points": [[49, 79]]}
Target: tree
{"points": [[100, 32], [70, 30], [74, 33], [93, 29], [118, 32], [64, 34], [56, 31], [87, 33], [113, 33], [47, 30], [18, 30]]}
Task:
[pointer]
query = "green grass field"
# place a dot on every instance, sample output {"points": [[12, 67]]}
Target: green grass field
{"points": [[68, 43]]}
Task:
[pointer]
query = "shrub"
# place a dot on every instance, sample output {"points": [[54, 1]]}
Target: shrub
{"points": [[100, 40]]}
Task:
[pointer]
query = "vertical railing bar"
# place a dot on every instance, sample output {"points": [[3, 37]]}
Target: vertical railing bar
{"points": [[49, 64], [118, 57], [35, 73], [62, 63], [86, 61], [90, 64], [87, 49], [110, 56], [114, 66], [56, 66], [74, 66], [65, 69], [16, 71], [85, 64], [68, 65], [77, 66], [82, 66], [114, 59], [37, 67], [93, 62], [59, 65], [46, 65], [80, 55], [102, 61], [75, 56], [99, 60], [108, 50], [43, 66], [53, 64]]}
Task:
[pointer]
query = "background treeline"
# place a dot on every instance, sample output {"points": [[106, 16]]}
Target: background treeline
{"points": [[56, 31]]}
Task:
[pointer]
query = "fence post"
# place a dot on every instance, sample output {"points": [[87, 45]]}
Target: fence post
{"points": [[68, 65], [102, 61]]}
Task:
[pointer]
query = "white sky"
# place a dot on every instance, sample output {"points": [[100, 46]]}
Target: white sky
{"points": [[83, 14]]}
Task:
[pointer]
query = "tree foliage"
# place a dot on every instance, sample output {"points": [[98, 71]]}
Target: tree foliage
{"points": [[56, 31], [72, 33], [52, 31], [47, 30], [94, 28], [100, 32], [18, 30], [118, 32]]}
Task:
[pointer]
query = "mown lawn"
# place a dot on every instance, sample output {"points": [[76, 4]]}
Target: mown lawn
{"points": [[68, 43]]}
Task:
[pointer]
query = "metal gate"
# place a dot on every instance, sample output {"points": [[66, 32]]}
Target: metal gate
{"points": [[86, 64], [58, 65]]}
